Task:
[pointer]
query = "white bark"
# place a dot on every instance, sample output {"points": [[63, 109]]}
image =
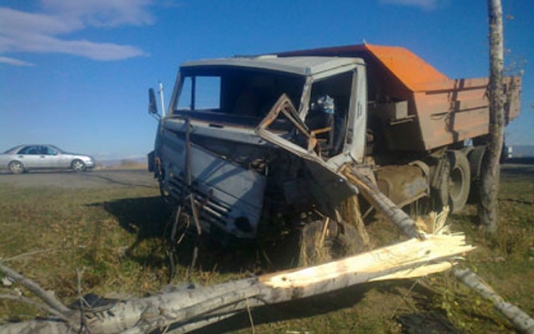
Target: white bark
{"points": [[382, 203], [490, 173], [521, 321], [50, 300]]}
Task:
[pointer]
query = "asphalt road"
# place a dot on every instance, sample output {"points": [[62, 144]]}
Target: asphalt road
{"points": [[89, 179], [117, 178]]}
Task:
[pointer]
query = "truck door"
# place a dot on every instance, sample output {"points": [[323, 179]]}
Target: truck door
{"points": [[342, 140]]}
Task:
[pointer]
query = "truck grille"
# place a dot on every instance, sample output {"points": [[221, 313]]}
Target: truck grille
{"points": [[212, 211]]}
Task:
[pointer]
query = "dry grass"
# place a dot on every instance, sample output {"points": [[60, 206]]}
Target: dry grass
{"points": [[114, 234], [63, 230]]}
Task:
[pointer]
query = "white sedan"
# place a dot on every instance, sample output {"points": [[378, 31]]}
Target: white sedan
{"points": [[22, 158]]}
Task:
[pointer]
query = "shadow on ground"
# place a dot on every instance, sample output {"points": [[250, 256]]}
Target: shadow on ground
{"points": [[111, 177], [151, 218], [145, 217], [299, 309], [417, 321], [253, 257]]}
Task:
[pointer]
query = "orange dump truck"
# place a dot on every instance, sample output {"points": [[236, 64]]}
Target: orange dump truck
{"points": [[421, 107], [249, 142], [417, 112]]}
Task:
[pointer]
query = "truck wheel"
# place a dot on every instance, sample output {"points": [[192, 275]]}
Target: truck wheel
{"points": [[317, 245], [459, 181], [312, 249]]}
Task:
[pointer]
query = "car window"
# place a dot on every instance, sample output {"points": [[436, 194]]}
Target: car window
{"points": [[42, 150], [50, 150], [29, 150]]}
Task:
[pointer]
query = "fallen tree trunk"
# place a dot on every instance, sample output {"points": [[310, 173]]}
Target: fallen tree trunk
{"points": [[521, 321], [187, 309], [382, 203]]}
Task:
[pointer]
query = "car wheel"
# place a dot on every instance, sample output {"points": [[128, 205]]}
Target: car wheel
{"points": [[16, 167], [78, 166]]}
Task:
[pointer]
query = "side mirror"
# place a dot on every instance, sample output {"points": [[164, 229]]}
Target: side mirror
{"points": [[152, 105]]}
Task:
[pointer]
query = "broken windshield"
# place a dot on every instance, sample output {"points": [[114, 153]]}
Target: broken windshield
{"points": [[234, 94]]}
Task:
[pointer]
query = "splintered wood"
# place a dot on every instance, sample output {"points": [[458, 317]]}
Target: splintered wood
{"points": [[411, 258]]}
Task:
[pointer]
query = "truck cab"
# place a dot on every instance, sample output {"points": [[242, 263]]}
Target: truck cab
{"points": [[208, 147]]}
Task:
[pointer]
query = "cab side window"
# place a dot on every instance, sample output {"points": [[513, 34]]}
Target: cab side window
{"points": [[327, 116]]}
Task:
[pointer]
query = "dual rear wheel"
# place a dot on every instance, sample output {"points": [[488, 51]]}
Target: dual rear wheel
{"points": [[454, 182], [459, 180]]}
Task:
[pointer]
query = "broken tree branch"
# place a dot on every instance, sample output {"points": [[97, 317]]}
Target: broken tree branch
{"points": [[17, 257], [382, 203], [191, 307], [37, 290], [36, 304]]}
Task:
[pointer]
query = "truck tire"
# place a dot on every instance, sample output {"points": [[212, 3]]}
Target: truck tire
{"points": [[310, 253], [459, 180]]}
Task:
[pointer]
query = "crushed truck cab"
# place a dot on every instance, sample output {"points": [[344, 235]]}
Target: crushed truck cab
{"points": [[249, 143], [208, 146]]}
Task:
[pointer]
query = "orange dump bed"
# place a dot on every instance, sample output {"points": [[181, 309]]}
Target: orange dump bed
{"points": [[420, 108]]}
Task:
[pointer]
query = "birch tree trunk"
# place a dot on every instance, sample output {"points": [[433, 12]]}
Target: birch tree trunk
{"points": [[187, 309], [490, 173], [521, 321]]}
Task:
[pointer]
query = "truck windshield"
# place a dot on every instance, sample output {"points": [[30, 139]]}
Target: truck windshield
{"points": [[234, 95]]}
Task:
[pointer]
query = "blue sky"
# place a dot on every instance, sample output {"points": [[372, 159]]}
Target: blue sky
{"points": [[75, 73]]}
